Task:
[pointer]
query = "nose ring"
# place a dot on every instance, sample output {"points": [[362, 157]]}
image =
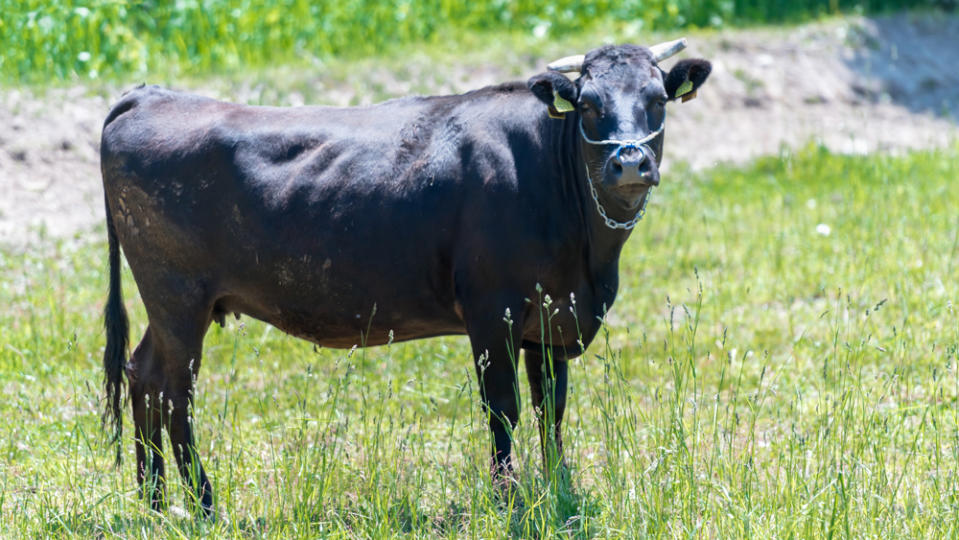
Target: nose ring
{"points": [[627, 146]]}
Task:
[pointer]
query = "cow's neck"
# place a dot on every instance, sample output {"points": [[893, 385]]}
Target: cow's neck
{"points": [[603, 243]]}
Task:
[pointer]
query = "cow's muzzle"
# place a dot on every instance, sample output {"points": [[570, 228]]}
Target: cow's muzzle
{"points": [[632, 165], [638, 157], [633, 162]]}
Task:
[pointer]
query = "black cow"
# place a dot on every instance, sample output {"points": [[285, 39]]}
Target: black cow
{"points": [[446, 214]]}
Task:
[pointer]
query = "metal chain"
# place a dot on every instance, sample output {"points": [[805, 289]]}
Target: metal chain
{"points": [[610, 222]]}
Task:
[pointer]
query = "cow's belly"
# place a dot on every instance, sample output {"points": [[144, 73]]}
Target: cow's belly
{"points": [[344, 326], [342, 302], [331, 327]]}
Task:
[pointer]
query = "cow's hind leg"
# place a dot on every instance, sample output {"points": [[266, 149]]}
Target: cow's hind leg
{"points": [[180, 312], [181, 349], [146, 380]]}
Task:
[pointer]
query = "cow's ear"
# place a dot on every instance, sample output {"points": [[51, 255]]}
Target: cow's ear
{"points": [[686, 77], [555, 90]]}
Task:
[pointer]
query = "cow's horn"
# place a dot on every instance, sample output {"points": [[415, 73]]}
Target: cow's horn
{"points": [[568, 64], [662, 51]]}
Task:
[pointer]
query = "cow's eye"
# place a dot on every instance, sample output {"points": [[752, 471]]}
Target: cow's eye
{"points": [[590, 102]]}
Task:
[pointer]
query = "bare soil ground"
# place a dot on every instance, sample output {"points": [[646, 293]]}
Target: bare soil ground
{"points": [[855, 85]]}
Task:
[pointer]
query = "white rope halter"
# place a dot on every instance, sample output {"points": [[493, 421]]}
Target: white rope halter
{"points": [[634, 143]]}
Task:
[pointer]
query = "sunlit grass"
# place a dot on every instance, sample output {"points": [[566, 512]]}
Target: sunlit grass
{"points": [[780, 362]]}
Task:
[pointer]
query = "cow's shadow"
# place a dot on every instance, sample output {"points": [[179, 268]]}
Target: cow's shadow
{"points": [[909, 59]]}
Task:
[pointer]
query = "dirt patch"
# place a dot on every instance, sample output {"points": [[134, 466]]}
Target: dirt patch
{"points": [[49, 164], [856, 85]]}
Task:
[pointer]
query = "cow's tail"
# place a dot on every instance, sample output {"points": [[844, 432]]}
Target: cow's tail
{"points": [[117, 327]]}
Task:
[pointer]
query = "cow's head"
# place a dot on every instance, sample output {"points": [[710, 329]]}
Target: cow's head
{"points": [[619, 102]]}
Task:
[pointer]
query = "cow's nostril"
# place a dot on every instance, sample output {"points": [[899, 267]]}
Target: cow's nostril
{"points": [[617, 168]]}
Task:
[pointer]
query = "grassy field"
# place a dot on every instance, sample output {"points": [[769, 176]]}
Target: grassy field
{"points": [[781, 362], [89, 39]]}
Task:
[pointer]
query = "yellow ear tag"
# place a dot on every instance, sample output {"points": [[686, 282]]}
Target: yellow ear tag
{"points": [[560, 104], [684, 88]]}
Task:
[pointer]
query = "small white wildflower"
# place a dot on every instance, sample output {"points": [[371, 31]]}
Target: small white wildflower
{"points": [[83, 56], [483, 362], [823, 229], [811, 204]]}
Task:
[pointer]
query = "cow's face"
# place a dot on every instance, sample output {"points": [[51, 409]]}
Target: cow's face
{"points": [[620, 98]]}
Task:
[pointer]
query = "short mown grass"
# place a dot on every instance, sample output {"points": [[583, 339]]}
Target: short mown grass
{"points": [[780, 362]]}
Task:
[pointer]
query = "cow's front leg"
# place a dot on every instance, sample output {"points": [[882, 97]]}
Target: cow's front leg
{"points": [[495, 344], [547, 384]]}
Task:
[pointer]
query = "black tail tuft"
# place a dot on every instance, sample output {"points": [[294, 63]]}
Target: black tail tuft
{"points": [[117, 327]]}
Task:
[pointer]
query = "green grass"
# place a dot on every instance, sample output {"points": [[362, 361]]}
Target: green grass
{"points": [[756, 378], [89, 39]]}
